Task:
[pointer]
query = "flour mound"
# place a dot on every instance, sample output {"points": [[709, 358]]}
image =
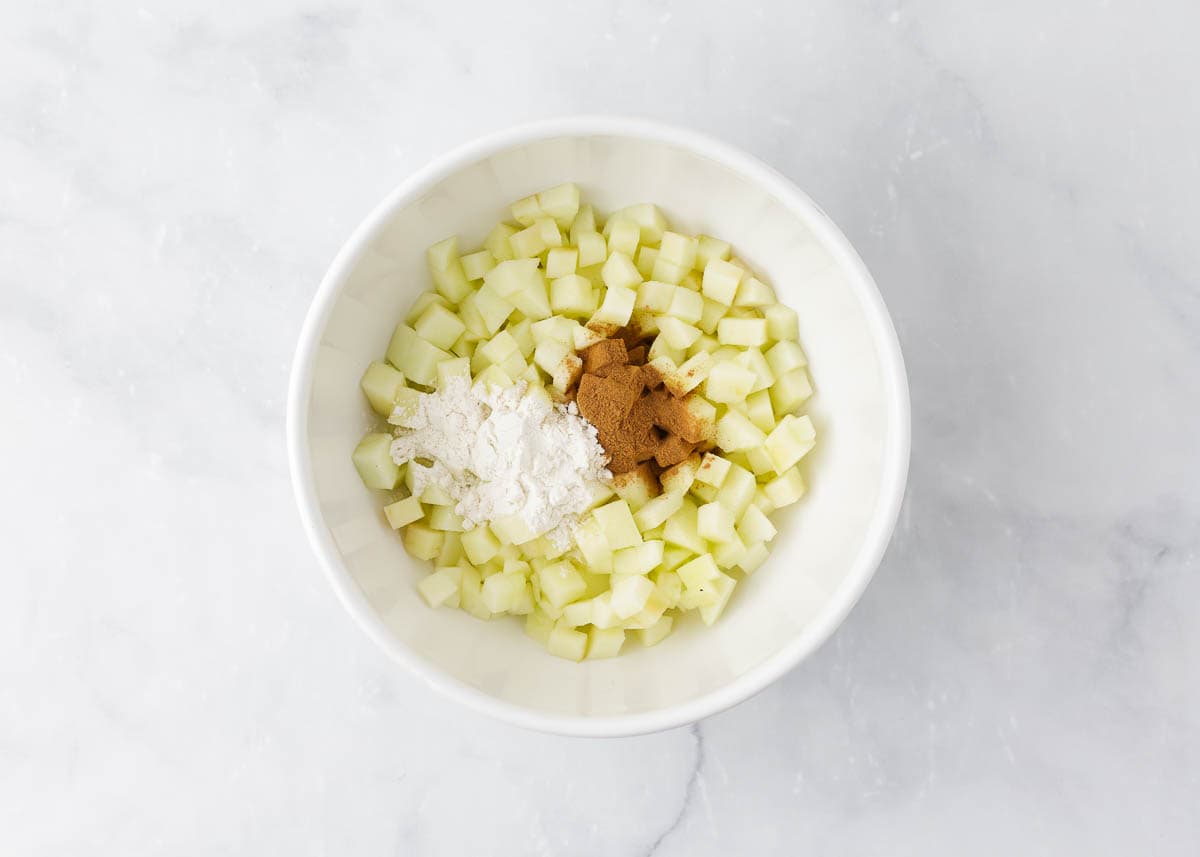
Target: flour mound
{"points": [[501, 452]]}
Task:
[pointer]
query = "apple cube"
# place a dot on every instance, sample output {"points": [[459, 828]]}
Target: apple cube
{"points": [[493, 309], [538, 626], [742, 332], [550, 354], [447, 271], [415, 357], [710, 316], [686, 305], [594, 547], [655, 512], [678, 334], [441, 588], [565, 642], [790, 441], [623, 236], [480, 545], [382, 384], [561, 583], [728, 382], [755, 526], [667, 271], [758, 460], [616, 522], [619, 272], [403, 512], [689, 374], [422, 541], [709, 248], [630, 592], [704, 414], [755, 555], [706, 344], [475, 265], [656, 633], [786, 488], [723, 586], [373, 460], [572, 295], [604, 642], [497, 242], [697, 571], [782, 323], [617, 307], [720, 281], [654, 296], [737, 491], [439, 326], [512, 530], [753, 292], [791, 390], [561, 203], [639, 559], [729, 553], [662, 348], [645, 259], [679, 249], [583, 224], [445, 519], [680, 528], [421, 304], [561, 261], [785, 356], [713, 470], [648, 218], [679, 478], [714, 522], [527, 210], [592, 249]]}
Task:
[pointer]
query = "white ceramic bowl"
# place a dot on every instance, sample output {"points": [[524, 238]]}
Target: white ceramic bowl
{"points": [[829, 544]]}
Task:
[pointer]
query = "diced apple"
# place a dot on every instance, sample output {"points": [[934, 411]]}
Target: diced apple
{"points": [[755, 555], [711, 315], [619, 272], [630, 593], [790, 441], [655, 512], [422, 541], [561, 261], [713, 469], [440, 588], [705, 344], [686, 305], [415, 357], [421, 304], [512, 530], [648, 218], [445, 519], [373, 460], [583, 224], [623, 236], [497, 242], [565, 642], [604, 642], [656, 633], [480, 545], [538, 626], [680, 528], [791, 390], [439, 326], [654, 296], [493, 309], [714, 522], [592, 249], [728, 382], [697, 571], [759, 461], [639, 559], [720, 281], [678, 334], [667, 271], [616, 522], [617, 307], [561, 583], [728, 554], [782, 323], [403, 512], [447, 271], [679, 249], [753, 292], [561, 203], [381, 384], [737, 491], [475, 265], [527, 210], [594, 547], [549, 355], [502, 592], [742, 332], [572, 295], [723, 587], [704, 415], [786, 488], [661, 347], [709, 248], [754, 526], [678, 478], [645, 259]]}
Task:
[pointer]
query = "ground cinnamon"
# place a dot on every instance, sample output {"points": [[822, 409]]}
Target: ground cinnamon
{"points": [[640, 424]]}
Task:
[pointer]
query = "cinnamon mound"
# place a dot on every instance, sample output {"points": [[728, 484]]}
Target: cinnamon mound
{"points": [[638, 422]]}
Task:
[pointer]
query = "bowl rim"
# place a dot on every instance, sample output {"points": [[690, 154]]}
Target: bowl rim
{"points": [[895, 459]]}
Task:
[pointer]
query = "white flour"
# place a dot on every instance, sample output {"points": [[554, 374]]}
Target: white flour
{"points": [[499, 452]]}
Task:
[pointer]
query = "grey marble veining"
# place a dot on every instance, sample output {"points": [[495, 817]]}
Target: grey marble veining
{"points": [[1020, 678]]}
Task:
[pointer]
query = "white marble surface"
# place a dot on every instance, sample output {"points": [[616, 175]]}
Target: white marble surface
{"points": [[1021, 678]]}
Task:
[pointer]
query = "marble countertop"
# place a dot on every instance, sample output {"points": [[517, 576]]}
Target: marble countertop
{"points": [[176, 676]]}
